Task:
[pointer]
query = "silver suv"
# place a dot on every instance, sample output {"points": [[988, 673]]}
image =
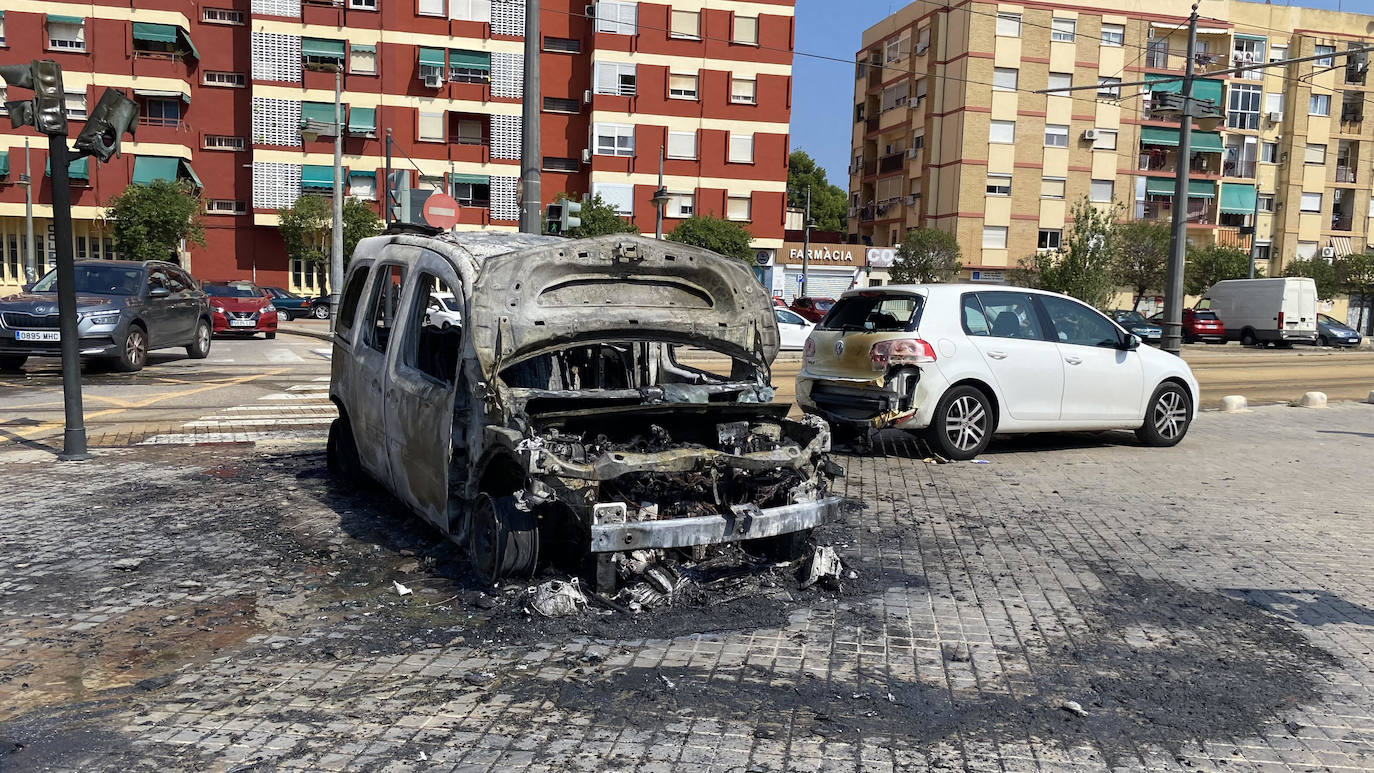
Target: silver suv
{"points": [[598, 397], [126, 310]]}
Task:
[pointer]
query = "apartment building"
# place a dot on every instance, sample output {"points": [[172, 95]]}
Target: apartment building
{"points": [[237, 97], [949, 134]]}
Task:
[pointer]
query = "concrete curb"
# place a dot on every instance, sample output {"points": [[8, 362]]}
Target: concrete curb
{"points": [[306, 333]]}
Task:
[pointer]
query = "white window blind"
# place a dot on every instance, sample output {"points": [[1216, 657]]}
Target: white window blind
{"points": [[614, 139], [737, 207], [619, 196], [741, 148], [431, 127], [616, 18], [682, 145], [743, 90], [615, 78]]}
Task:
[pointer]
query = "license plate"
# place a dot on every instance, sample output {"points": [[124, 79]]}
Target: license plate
{"points": [[242, 323], [37, 335]]}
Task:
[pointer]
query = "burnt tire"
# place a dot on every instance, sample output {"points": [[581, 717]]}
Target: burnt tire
{"points": [[503, 540], [341, 454], [199, 348], [13, 362], [133, 351], [1167, 418], [962, 425], [782, 547]]}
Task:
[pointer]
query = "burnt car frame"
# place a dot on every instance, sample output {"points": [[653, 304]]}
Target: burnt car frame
{"points": [[556, 418]]}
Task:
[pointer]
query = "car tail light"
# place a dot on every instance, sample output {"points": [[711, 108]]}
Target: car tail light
{"points": [[1280, 319], [900, 351]]}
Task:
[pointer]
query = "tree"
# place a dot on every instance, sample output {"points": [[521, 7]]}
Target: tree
{"points": [[307, 229], [829, 204], [1321, 271], [1143, 260], [150, 221], [1356, 276], [1213, 263], [598, 219], [1085, 267], [926, 255], [715, 234]]}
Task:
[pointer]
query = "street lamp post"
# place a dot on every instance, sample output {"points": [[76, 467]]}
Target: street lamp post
{"points": [[1178, 236], [336, 256], [806, 244], [660, 198]]}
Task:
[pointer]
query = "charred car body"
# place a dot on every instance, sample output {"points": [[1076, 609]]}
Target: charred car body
{"points": [[561, 414]]}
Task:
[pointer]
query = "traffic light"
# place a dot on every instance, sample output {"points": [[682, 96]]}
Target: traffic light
{"points": [[561, 217], [47, 112], [104, 130]]}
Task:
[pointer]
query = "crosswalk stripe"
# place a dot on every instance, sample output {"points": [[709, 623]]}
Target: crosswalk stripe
{"points": [[266, 422]]}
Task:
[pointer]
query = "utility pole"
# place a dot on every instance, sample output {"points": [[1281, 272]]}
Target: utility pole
{"points": [[386, 185], [74, 434], [806, 244], [336, 256], [31, 258], [1178, 237], [660, 198], [1254, 231], [531, 207]]}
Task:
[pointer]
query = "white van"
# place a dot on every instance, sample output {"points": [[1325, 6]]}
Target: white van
{"points": [[1281, 311]]}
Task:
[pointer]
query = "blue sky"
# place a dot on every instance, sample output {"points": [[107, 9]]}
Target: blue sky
{"points": [[823, 90]]}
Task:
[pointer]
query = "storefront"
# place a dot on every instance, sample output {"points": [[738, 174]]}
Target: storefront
{"points": [[831, 269]]}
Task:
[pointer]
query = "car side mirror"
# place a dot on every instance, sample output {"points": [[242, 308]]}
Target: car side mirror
{"points": [[159, 292], [1131, 343], [28, 287]]}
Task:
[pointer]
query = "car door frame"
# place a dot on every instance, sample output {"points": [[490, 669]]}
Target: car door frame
{"points": [[159, 318], [1089, 365], [186, 309], [418, 408], [367, 408], [996, 350]]}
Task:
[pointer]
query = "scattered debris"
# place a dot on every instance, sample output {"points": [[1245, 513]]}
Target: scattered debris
{"points": [[670, 684], [979, 461], [1074, 708], [128, 564], [824, 563], [401, 590], [479, 678], [557, 598], [155, 682], [483, 601], [957, 653], [423, 756]]}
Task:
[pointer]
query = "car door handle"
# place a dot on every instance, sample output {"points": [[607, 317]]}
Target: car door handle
{"points": [[998, 355], [1073, 360]]}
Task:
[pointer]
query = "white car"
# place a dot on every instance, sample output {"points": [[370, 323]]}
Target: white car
{"points": [[963, 362], [793, 328], [442, 311]]}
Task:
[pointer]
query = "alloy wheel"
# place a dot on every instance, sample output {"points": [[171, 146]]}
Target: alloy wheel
{"points": [[966, 423], [1170, 415], [203, 336], [135, 347]]}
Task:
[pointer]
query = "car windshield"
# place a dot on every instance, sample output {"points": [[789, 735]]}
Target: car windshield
{"points": [[100, 280], [875, 312], [449, 302], [232, 290], [1129, 317]]}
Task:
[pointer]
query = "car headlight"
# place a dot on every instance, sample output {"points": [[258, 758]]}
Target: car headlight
{"points": [[217, 309], [102, 319]]}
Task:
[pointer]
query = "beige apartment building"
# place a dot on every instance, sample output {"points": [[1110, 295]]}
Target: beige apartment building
{"points": [[949, 134]]}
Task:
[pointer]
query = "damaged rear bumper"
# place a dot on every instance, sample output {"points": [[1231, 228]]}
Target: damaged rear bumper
{"points": [[873, 403], [743, 523]]}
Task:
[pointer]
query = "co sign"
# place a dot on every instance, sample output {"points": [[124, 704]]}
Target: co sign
{"points": [[881, 257]]}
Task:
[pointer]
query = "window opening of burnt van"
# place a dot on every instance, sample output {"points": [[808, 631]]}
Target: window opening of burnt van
{"points": [[876, 313], [434, 333], [348, 307], [385, 302]]}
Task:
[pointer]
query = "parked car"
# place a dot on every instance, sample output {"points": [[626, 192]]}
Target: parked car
{"points": [[1135, 322], [557, 420], [125, 310], [1333, 332], [779, 301], [793, 328], [241, 307], [812, 308], [1198, 325], [442, 311], [1280, 311], [295, 306], [962, 362]]}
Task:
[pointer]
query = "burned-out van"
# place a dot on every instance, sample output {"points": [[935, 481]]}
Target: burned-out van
{"points": [[588, 397]]}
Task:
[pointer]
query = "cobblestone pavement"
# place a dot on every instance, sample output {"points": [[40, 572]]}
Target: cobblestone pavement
{"points": [[1074, 604]]}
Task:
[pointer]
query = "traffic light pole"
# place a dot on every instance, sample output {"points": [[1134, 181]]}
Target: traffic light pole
{"points": [[74, 436], [531, 207], [1178, 237]]}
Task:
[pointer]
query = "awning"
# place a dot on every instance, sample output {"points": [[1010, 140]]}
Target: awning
{"points": [[183, 96], [1164, 186], [76, 170], [432, 57], [1341, 246], [1244, 36], [361, 49], [323, 48], [4, 163], [1158, 135], [371, 174], [150, 168], [155, 33], [1237, 198], [1204, 142], [362, 120], [1182, 28], [54, 18], [473, 179], [191, 173], [322, 112], [185, 36], [473, 60], [319, 176], [1203, 88]]}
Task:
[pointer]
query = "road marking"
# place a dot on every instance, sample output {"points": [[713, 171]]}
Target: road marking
{"points": [[295, 396], [260, 422], [280, 356], [308, 388]]}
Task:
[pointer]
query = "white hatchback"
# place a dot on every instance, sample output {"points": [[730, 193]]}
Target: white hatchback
{"points": [[963, 362]]}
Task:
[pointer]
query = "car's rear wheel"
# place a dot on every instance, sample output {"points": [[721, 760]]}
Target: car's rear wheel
{"points": [[503, 540], [341, 454], [319, 311], [962, 425], [133, 351], [1168, 417], [12, 362], [1247, 338], [199, 348]]}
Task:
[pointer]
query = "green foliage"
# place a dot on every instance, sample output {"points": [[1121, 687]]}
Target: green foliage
{"points": [[1321, 271], [307, 229], [715, 234], [1356, 276], [149, 221], [926, 255], [1086, 267], [1143, 260], [1213, 263], [598, 219], [829, 204]]}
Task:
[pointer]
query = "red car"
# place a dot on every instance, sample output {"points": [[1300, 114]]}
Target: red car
{"points": [[241, 307], [814, 309], [1198, 325]]}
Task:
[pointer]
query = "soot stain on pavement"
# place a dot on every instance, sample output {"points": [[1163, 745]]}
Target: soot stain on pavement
{"points": [[1217, 670]]}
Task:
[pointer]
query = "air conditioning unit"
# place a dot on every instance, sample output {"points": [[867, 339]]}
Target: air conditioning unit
{"points": [[587, 96], [910, 201], [911, 152], [434, 80], [586, 155], [589, 11], [1275, 117], [1328, 252], [1089, 134]]}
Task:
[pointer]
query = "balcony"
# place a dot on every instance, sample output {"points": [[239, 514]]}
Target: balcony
{"points": [[1160, 160], [892, 163], [1242, 168], [1200, 211], [1230, 236], [1342, 221], [870, 167], [1345, 174], [870, 125], [1352, 113]]}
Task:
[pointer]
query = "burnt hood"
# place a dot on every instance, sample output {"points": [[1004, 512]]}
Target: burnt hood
{"points": [[620, 287]]}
